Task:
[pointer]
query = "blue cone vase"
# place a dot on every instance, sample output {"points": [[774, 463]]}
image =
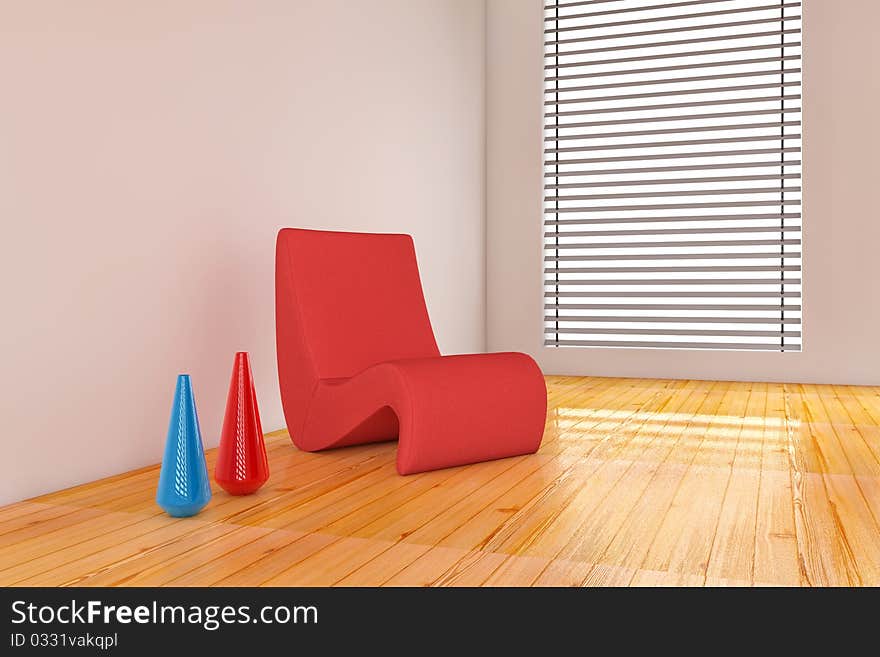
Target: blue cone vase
{"points": [[184, 489]]}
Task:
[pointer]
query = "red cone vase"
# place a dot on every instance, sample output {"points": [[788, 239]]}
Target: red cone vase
{"points": [[242, 466]]}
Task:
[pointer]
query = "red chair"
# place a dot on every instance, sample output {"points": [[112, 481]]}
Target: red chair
{"points": [[358, 363]]}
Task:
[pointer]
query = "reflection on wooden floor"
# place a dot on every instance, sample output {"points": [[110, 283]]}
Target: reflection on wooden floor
{"points": [[638, 482]]}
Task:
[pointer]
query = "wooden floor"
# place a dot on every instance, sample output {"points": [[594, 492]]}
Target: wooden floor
{"points": [[638, 482]]}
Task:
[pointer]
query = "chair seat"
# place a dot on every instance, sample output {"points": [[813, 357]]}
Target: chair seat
{"points": [[445, 410]]}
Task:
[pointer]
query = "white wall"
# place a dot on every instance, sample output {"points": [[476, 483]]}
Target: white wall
{"points": [[841, 222], [149, 152]]}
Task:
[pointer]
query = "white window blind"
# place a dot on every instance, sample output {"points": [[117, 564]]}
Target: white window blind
{"points": [[672, 170]]}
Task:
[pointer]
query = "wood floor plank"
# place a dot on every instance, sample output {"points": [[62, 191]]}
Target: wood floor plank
{"points": [[40, 522], [539, 498], [776, 560], [861, 423], [540, 513], [448, 520], [223, 559], [825, 557], [563, 572], [595, 517], [428, 567], [326, 567], [583, 519], [630, 544], [92, 556], [161, 565], [80, 525], [473, 569], [468, 507], [433, 565], [684, 540], [666, 578], [862, 460], [345, 482], [19, 509], [728, 562], [381, 568], [267, 566], [857, 524], [406, 518], [517, 570]]}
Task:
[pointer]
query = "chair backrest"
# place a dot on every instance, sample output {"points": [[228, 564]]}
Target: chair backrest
{"points": [[344, 302]]}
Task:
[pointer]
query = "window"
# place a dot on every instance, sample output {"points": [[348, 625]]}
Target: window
{"points": [[672, 171]]}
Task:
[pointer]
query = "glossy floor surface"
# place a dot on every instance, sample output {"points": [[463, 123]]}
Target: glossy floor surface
{"points": [[638, 482]]}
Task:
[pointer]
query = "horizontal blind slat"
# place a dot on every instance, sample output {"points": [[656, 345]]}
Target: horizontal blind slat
{"points": [[677, 294], [718, 333], [658, 269], [578, 3], [663, 345], [672, 256], [673, 156], [672, 55], [682, 80], [681, 167], [674, 92], [691, 307], [661, 19], [671, 30], [679, 42], [660, 69], [672, 181], [552, 221], [677, 142], [676, 117], [661, 194], [674, 131], [679, 206], [688, 105], [676, 245], [665, 319], [672, 281], [606, 12], [673, 231]]}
